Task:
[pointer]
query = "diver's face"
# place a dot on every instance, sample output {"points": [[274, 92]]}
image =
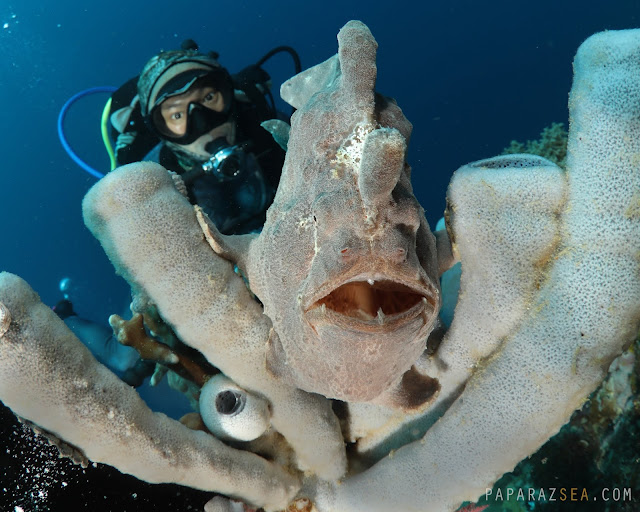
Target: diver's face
{"points": [[174, 110]]}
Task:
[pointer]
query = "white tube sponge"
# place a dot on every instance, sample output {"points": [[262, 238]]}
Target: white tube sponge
{"points": [[50, 378], [152, 237], [505, 216], [586, 313], [229, 412]]}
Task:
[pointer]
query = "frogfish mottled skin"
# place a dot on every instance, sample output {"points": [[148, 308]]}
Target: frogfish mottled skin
{"points": [[346, 265]]}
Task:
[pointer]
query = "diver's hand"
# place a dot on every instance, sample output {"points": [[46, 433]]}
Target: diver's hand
{"points": [[125, 139]]}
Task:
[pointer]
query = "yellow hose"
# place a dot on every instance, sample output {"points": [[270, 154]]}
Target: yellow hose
{"points": [[105, 134]]}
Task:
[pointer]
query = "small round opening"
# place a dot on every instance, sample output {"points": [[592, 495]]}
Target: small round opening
{"points": [[229, 402]]}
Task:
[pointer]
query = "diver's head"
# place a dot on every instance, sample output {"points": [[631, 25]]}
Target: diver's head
{"points": [[186, 98]]}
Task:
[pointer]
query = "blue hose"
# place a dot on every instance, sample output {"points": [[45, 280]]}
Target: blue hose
{"points": [[63, 138]]}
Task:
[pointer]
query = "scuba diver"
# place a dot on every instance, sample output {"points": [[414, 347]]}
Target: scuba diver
{"points": [[188, 113]]}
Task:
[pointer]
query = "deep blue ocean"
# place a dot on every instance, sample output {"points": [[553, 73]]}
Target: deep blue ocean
{"points": [[470, 75]]}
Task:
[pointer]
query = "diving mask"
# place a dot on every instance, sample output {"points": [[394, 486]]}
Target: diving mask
{"points": [[199, 119]]}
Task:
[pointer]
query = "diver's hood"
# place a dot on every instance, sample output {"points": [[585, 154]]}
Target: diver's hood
{"points": [[174, 72]]}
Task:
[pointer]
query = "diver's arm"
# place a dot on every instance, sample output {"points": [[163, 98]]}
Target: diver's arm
{"points": [[103, 345]]}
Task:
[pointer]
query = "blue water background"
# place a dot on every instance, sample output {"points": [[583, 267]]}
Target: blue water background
{"points": [[471, 76]]}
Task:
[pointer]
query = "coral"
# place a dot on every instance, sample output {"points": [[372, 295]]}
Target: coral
{"points": [[549, 297], [192, 371], [551, 145], [598, 448], [133, 334], [472, 508], [74, 397], [203, 299], [549, 300]]}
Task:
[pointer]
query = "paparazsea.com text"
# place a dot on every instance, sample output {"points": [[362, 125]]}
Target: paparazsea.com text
{"points": [[552, 494]]}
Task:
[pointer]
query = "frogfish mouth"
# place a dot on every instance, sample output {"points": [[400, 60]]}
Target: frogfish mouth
{"points": [[364, 330], [373, 303]]}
